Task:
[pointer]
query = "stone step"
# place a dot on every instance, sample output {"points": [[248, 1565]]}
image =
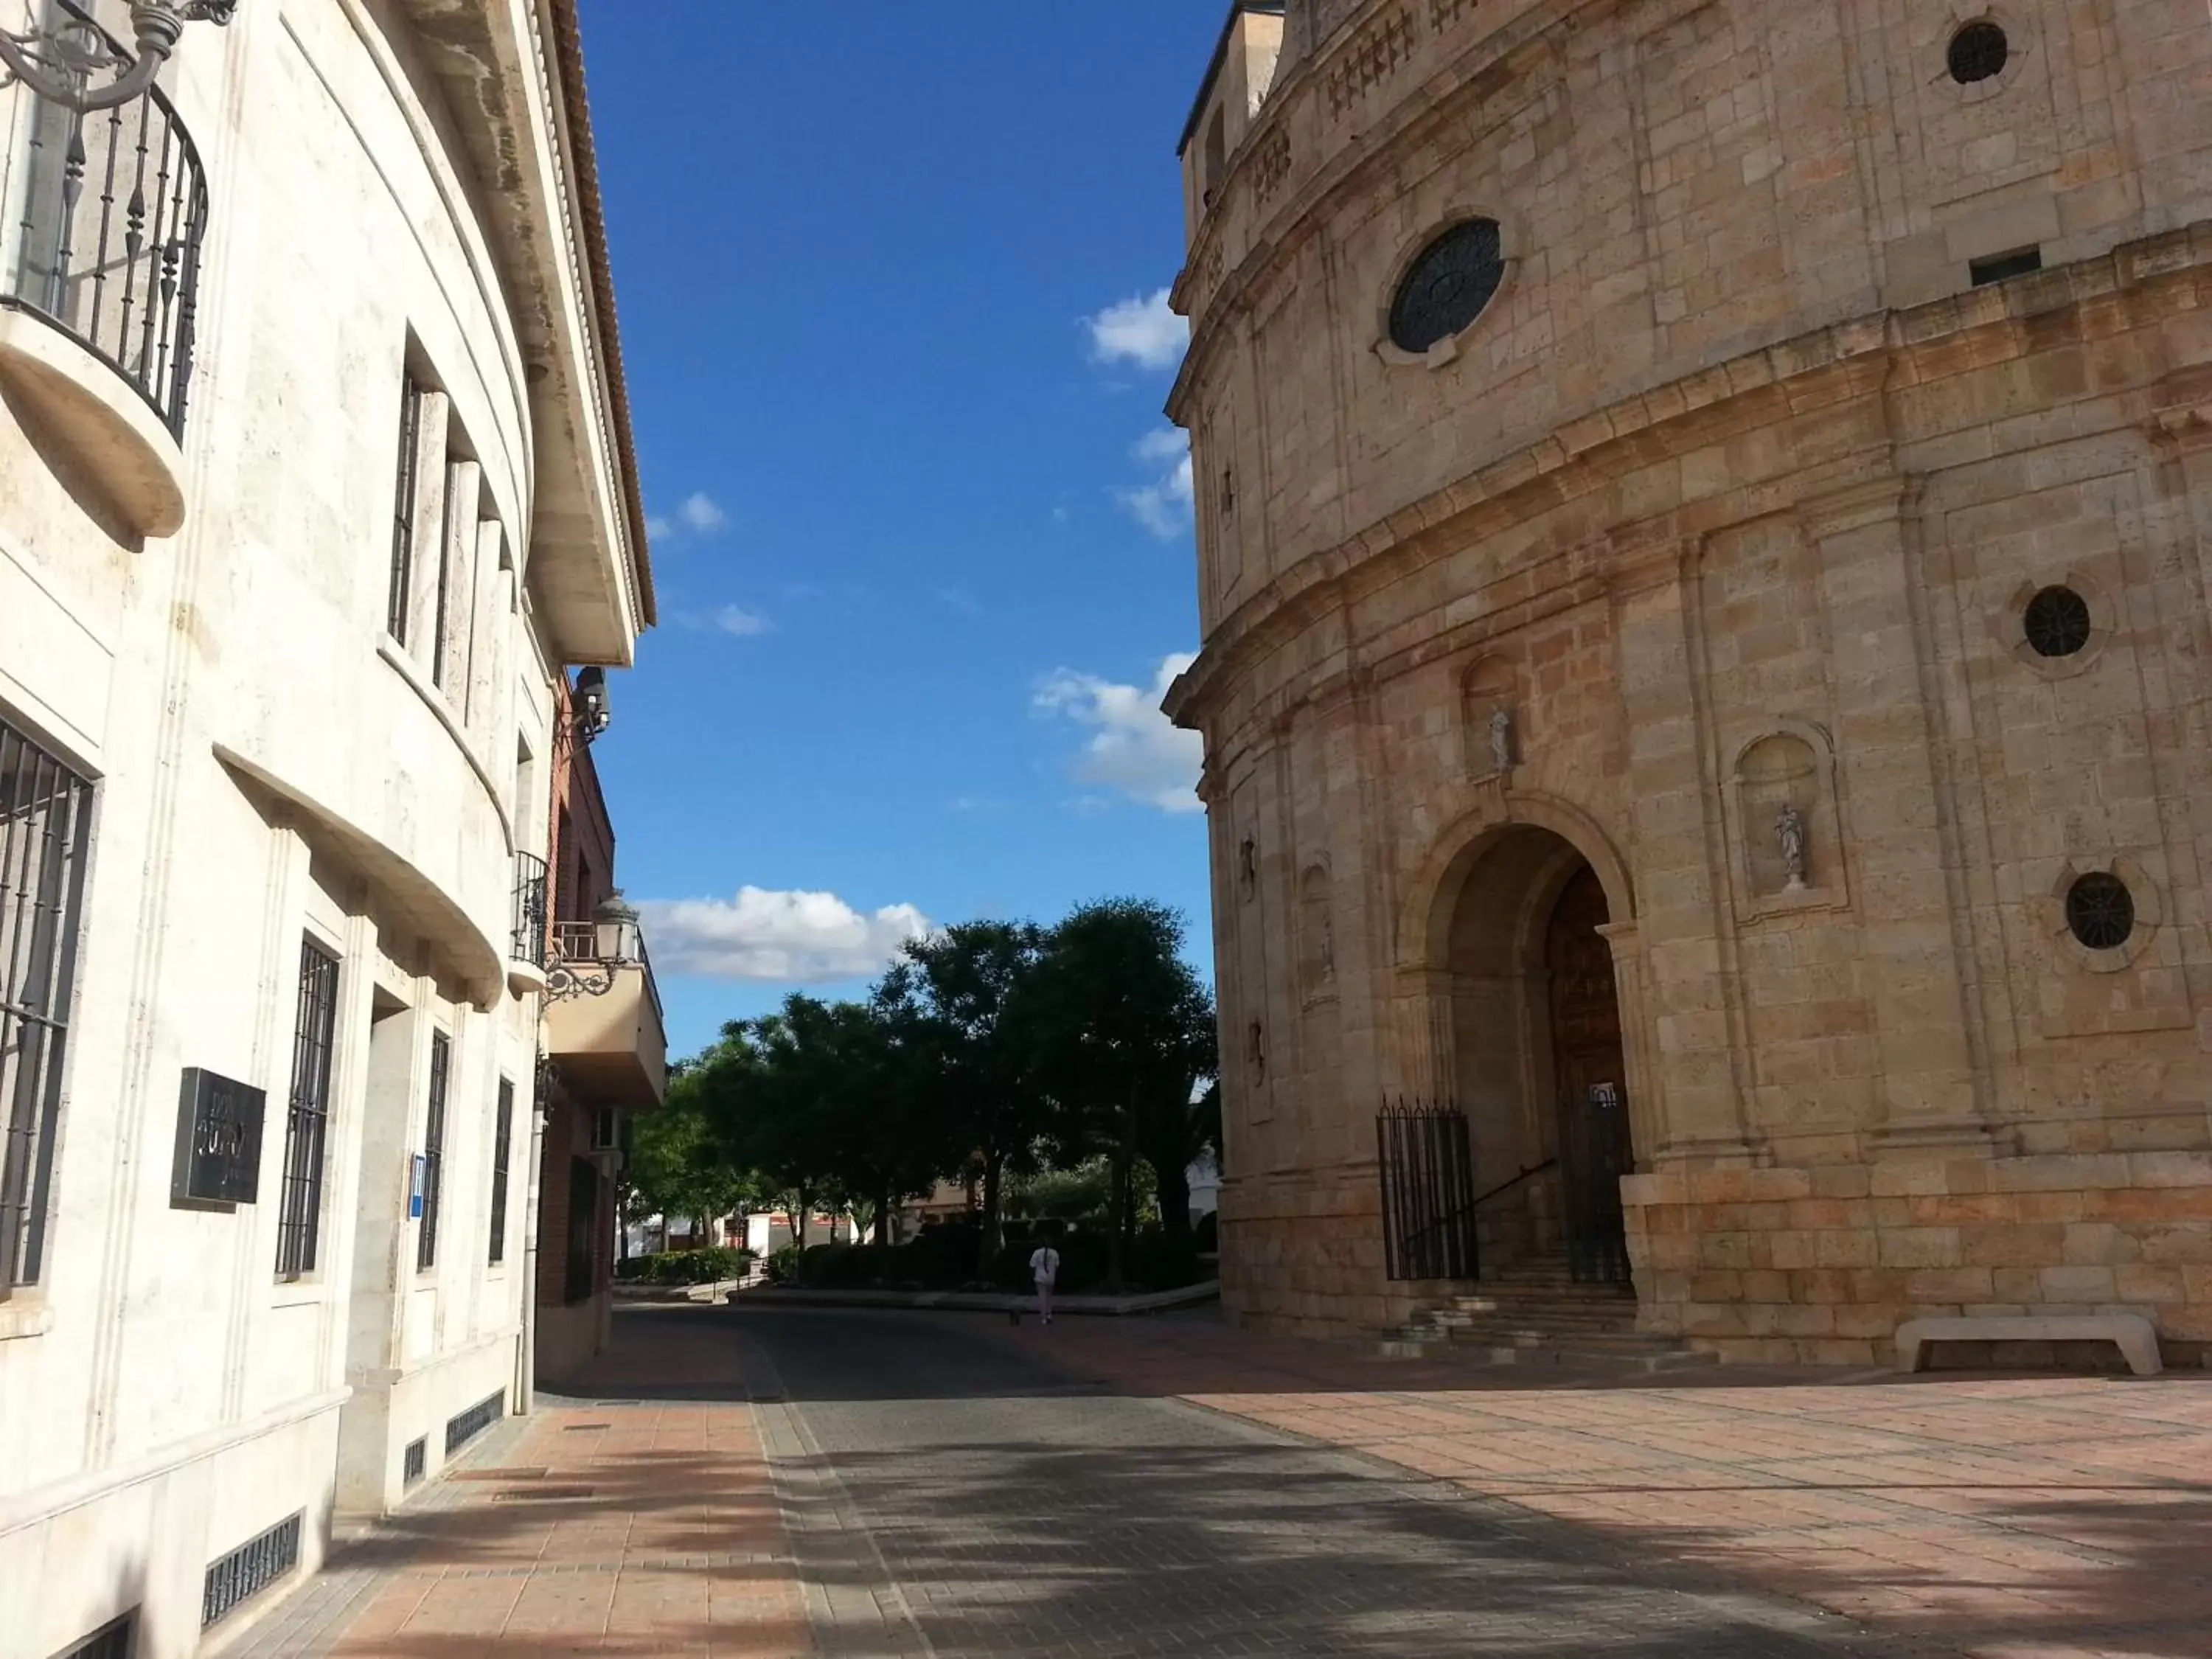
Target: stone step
{"points": [[1475, 1309], [1652, 1354]]}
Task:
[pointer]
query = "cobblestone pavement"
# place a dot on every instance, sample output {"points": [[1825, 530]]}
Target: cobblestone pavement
{"points": [[2023, 1517], [645, 1526], [957, 1495]]}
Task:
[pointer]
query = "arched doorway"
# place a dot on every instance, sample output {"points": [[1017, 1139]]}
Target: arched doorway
{"points": [[1538, 1057], [1591, 1080]]}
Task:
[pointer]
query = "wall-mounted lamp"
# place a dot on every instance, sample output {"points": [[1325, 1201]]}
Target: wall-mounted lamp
{"points": [[61, 59], [594, 714]]}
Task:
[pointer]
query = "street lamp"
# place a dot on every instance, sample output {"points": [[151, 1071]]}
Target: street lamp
{"points": [[58, 60], [615, 945]]}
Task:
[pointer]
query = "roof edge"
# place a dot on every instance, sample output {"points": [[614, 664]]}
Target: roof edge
{"points": [[1236, 9]]}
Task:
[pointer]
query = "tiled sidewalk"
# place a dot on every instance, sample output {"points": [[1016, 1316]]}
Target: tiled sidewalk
{"points": [[2049, 1517], [630, 1528]]}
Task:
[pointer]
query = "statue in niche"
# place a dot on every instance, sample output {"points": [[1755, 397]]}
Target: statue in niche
{"points": [[1256, 1051], [1501, 740], [1789, 835], [1248, 857]]}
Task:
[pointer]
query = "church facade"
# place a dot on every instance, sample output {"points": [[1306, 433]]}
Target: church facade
{"points": [[1705, 525]]}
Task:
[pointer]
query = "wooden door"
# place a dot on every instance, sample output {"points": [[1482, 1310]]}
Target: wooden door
{"points": [[1592, 1080]]}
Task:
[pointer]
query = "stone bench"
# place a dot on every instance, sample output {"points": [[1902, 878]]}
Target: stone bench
{"points": [[2137, 1340]]}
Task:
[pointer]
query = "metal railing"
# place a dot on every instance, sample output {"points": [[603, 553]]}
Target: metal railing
{"points": [[529, 938], [581, 941], [114, 209], [1426, 1161]]}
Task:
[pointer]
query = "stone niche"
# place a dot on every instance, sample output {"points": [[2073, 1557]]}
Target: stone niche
{"points": [[1789, 769], [1486, 688]]}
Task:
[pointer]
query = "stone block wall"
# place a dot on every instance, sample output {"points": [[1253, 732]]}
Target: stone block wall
{"points": [[1820, 1265]]}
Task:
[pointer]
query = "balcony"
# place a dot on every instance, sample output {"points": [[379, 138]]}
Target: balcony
{"points": [[603, 1020], [100, 261], [528, 950]]}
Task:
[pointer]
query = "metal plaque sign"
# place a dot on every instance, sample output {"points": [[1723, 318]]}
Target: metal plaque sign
{"points": [[218, 1140], [418, 1172], [1605, 1096]]}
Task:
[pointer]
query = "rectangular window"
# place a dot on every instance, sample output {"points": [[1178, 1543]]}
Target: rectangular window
{"points": [[46, 830], [299, 1224], [583, 1229], [502, 1133], [434, 1152], [404, 501]]}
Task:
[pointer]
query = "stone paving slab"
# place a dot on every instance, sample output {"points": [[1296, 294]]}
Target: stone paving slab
{"points": [[2004, 1517], [606, 1526]]}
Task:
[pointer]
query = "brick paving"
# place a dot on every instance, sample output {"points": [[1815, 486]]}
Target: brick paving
{"points": [[1011, 1511], [2022, 1518], [646, 1525]]}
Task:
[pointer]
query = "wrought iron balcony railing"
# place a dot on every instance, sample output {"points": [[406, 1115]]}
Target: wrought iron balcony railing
{"points": [[530, 935], [611, 943], [105, 246]]}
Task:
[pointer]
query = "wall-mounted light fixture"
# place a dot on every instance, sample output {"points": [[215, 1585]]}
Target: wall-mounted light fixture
{"points": [[64, 59]]}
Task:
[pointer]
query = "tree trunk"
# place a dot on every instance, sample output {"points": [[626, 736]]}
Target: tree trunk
{"points": [[884, 1217], [799, 1219], [1174, 1178], [993, 1180], [1125, 1162]]}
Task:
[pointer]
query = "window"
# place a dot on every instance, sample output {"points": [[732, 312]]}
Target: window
{"points": [[110, 1641], [434, 1152], [2003, 267], [299, 1225], [583, 1229], [2057, 623], [1979, 51], [2100, 911], [46, 827], [250, 1569], [502, 1137], [1448, 285], [406, 499]]}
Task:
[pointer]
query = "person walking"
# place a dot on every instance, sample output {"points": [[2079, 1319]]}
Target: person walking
{"points": [[1044, 1268]]}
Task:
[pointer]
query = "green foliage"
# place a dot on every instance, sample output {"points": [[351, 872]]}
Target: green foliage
{"points": [[705, 1266], [783, 1265]]}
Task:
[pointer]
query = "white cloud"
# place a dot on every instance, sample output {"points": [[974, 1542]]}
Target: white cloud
{"points": [[659, 530], [1141, 330], [745, 624], [701, 513], [1133, 747], [959, 599], [1163, 507], [782, 938]]}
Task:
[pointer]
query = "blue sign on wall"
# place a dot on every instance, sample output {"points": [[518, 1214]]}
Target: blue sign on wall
{"points": [[417, 1169]]}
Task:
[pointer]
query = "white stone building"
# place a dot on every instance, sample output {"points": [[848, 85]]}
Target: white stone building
{"points": [[315, 475]]}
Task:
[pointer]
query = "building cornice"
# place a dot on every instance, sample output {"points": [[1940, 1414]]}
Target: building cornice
{"points": [[1874, 358]]}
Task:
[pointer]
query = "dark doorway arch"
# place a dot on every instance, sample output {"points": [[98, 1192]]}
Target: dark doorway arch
{"points": [[1538, 1060]]}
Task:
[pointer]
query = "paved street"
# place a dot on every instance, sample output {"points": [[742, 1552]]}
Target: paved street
{"points": [[769, 1482], [1017, 1513]]}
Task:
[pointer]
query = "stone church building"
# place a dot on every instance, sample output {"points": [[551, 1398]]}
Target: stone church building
{"points": [[1705, 525]]}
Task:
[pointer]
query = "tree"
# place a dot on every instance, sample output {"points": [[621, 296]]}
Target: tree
{"points": [[959, 996], [1125, 1037], [676, 1164]]}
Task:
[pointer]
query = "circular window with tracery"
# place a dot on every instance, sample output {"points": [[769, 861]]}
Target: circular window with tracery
{"points": [[2057, 623], [1979, 51], [2100, 911], [1451, 281]]}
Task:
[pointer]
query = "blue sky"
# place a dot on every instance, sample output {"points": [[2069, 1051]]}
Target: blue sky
{"points": [[891, 315]]}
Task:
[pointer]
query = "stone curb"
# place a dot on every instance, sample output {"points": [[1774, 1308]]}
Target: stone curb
{"points": [[714, 1292], [979, 1301]]}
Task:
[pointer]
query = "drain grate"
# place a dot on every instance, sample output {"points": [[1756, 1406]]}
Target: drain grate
{"points": [[541, 1494], [501, 1474], [580, 1428]]}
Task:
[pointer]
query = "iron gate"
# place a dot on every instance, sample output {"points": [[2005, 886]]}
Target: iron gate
{"points": [[1427, 1166], [1594, 1155]]}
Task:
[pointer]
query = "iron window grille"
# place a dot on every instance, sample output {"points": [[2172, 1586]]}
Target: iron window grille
{"points": [[415, 1461], [251, 1568], [464, 1426], [530, 936], [502, 1145], [46, 830], [1979, 52], [1450, 285], [434, 1152], [114, 213], [583, 1240], [299, 1225], [111, 1641], [2057, 623], [2100, 911], [406, 497]]}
